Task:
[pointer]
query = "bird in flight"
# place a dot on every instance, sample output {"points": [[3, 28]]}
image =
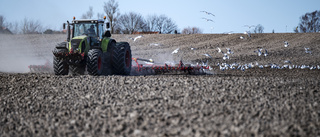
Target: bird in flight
{"points": [[266, 52], [138, 37], [175, 51], [248, 33], [219, 50], [208, 13], [287, 61], [208, 19], [249, 26], [259, 52], [207, 55], [307, 50]]}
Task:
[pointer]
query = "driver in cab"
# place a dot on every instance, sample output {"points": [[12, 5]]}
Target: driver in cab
{"points": [[91, 31]]}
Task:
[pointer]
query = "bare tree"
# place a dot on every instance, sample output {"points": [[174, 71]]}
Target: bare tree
{"points": [[161, 23], [100, 15], [193, 30], [186, 31], [14, 27], [4, 26], [88, 14], [165, 24], [131, 22], [196, 30], [30, 26], [112, 11], [11, 26], [258, 29], [310, 22], [151, 22]]}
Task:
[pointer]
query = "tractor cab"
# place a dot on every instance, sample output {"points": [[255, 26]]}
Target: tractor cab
{"points": [[86, 27], [85, 34], [91, 28]]}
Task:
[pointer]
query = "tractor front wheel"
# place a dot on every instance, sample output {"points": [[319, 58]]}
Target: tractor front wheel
{"points": [[94, 62], [60, 65]]}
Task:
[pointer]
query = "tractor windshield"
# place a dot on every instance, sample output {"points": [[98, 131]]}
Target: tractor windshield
{"points": [[89, 29]]}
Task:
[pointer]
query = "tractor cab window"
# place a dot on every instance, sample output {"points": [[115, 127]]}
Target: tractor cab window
{"points": [[89, 29]]}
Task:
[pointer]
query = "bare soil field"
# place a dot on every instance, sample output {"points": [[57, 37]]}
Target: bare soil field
{"points": [[255, 102]]}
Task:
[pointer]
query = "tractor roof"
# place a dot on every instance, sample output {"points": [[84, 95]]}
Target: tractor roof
{"points": [[88, 21]]}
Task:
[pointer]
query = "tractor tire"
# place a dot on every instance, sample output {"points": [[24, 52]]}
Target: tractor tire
{"points": [[107, 66], [77, 69], [95, 62], [60, 66], [121, 59], [107, 58]]}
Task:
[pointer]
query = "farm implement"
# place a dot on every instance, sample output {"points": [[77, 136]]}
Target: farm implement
{"points": [[139, 66], [46, 68], [149, 67]]}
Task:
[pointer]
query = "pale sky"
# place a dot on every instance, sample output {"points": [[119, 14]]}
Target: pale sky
{"points": [[230, 15]]}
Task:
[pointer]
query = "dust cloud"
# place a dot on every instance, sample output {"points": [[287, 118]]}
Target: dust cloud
{"points": [[19, 51]]}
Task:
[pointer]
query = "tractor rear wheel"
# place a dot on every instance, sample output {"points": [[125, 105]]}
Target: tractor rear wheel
{"points": [[60, 65], [121, 59], [95, 62]]}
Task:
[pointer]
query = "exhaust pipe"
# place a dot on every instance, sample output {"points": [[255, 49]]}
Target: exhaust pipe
{"points": [[68, 31]]}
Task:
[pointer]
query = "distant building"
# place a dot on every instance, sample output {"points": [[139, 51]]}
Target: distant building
{"points": [[4, 30]]}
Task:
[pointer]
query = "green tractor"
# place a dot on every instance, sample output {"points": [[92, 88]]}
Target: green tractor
{"points": [[90, 49]]}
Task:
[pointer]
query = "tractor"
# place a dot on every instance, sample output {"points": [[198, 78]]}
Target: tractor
{"points": [[89, 49]]}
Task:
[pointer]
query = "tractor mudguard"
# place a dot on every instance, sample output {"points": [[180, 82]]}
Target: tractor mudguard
{"points": [[105, 43], [62, 45]]}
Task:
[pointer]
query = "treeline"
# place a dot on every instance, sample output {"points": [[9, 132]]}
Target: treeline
{"points": [[25, 26], [131, 22]]}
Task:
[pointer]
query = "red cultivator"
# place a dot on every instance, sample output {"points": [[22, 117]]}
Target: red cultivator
{"points": [[150, 68], [46, 68]]}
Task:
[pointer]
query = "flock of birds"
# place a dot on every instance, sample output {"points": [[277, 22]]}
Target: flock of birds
{"points": [[237, 66], [287, 63], [260, 52], [210, 14]]}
